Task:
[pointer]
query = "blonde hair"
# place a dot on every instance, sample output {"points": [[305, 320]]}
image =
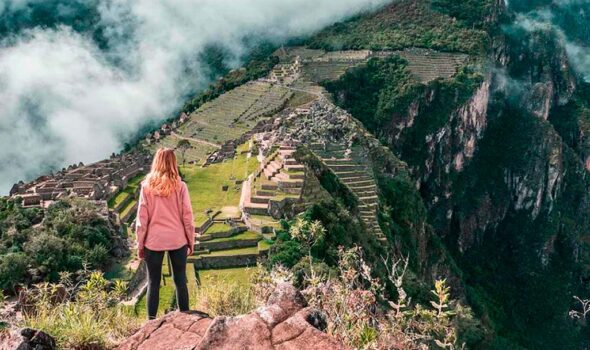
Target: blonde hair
{"points": [[163, 179]]}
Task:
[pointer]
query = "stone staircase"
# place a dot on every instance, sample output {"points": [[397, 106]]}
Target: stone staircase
{"points": [[280, 177], [353, 171]]}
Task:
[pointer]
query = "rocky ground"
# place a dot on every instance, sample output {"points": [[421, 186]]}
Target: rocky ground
{"points": [[284, 323]]}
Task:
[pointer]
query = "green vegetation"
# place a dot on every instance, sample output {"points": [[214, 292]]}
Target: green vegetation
{"points": [[118, 199], [36, 246], [126, 210], [471, 13], [128, 191], [219, 227], [206, 184], [531, 307], [86, 316], [372, 91], [383, 91], [225, 292], [230, 252], [241, 275], [236, 237], [259, 64], [410, 23]]}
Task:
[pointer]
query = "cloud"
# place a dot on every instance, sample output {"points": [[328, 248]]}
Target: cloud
{"points": [[68, 97], [550, 19]]}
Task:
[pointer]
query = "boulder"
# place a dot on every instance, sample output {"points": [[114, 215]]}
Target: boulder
{"points": [[285, 323], [36, 340]]}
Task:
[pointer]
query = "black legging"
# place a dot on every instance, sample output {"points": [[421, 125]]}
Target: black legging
{"points": [[154, 261]]}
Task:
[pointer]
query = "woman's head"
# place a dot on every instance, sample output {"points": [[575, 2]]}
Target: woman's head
{"points": [[163, 178]]}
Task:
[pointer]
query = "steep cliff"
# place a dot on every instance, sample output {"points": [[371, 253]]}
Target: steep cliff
{"points": [[499, 154]]}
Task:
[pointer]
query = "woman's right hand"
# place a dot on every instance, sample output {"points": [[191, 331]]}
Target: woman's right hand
{"points": [[141, 253], [190, 250]]}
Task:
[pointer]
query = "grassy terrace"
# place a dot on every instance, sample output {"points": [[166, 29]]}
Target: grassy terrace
{"points": [[126, 209], [241, 236], [205, 184], [264, 245], [241, 275], [219, 227], [230, 252], [197, 153], [118, 199], [266, 220], [127, 191]]}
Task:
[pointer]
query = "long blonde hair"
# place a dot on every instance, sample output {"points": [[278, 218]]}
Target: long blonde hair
{"points": [[163, 179]]}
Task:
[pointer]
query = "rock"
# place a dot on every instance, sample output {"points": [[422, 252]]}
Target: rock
{"points": [[285, 323], [36, 340]]}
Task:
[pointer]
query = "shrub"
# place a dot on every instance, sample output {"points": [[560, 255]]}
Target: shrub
{"points": [[85, 316], [224, 297], [62, 238], [359, 313], [286, 253], [13, 269]]}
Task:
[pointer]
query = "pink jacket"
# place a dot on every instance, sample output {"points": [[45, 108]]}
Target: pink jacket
{"points": [[165, 223]]}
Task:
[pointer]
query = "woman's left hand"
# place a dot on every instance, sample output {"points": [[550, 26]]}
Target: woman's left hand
{"points": [[190, 250], [141, 253]]}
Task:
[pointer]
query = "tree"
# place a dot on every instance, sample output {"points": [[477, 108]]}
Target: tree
{"points": [[183, 145], [13, 269]]}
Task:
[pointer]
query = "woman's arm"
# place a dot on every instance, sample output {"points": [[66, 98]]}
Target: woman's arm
{"points": [[188, 219], [141, 224]]}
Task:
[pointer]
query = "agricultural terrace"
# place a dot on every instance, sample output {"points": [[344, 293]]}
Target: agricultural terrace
{"points": [[197, 152], [207, 185], [130, 190], [235, 112]]}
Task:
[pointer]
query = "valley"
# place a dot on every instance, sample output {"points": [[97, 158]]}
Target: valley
{"points": [[430, 143]]}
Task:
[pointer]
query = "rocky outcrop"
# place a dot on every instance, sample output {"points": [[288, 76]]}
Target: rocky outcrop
{"points": [[284, 323], [36, 340]]}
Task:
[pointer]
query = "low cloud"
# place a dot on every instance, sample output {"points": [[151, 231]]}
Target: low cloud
{"points": [[66, 98], [568, 20]]}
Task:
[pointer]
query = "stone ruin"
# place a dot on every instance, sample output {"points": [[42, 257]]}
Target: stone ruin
{"points": [[97, 181]]}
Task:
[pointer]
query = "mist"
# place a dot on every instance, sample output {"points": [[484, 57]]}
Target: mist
{"points": [[79, 78], [567, 19]]}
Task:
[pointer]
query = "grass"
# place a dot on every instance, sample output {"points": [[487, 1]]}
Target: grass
{"points": [[218, 227], [118, 199], [196, 153], [300, 98], [134, 182], [231, 252], [132, 186], [266, 220], [130, 206], [119, 271], [239, 275], [241, 236], [205, 184], [225, 292], [264, 245]]}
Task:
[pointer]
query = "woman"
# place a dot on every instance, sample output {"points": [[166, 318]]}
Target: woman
{"points": [[165, 224]]}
